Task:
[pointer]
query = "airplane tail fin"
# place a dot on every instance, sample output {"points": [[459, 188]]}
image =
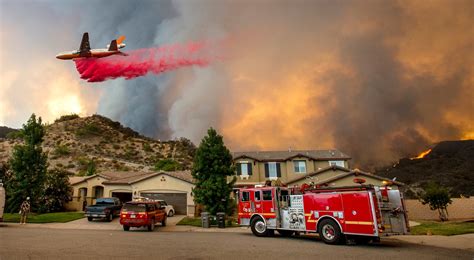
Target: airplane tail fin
{"points": [[120, 39], [113, 46], [85, 45]]}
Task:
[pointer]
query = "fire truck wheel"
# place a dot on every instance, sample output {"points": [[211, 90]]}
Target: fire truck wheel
{"points": [[259, 228], [286, 233], [330, 232]]}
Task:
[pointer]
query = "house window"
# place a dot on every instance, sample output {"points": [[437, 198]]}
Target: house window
{"points": [[272, 170], [337, 163], [244, 168], [300, 166]]}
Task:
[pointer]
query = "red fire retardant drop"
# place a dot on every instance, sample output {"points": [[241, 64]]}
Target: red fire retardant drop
{"points": [[143, 61]]}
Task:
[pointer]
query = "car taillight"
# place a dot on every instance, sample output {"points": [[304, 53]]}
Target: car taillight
{"points": [[142, 215]]}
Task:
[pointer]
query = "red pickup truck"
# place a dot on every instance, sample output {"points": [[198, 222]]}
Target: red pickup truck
{"points": [[142, 214]]}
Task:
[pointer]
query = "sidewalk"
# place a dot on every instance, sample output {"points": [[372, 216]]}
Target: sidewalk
{"points": [[464, 242]]}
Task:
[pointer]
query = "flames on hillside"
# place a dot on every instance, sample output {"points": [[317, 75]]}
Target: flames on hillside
{"points": [[421, 155]]}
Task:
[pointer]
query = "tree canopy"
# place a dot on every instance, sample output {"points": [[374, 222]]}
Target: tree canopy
{"points": [[28, 164], [57, 190], [437, 198], [212, 165]]}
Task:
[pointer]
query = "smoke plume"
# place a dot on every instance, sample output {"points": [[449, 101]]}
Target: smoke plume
{"points": [[137, 63], [377, 80]]}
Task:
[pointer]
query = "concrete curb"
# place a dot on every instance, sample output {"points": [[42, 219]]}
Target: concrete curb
{"points": [[463, 242], [118, 227]]}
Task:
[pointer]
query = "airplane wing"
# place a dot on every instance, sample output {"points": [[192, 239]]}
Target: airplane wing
{"points": [[85, 45], [113, 46]]}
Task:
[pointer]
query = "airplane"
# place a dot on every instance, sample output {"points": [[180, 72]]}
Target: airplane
{"points": [[85, 50]]}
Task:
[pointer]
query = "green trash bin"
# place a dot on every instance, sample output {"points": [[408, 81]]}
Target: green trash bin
{"points": [[220, 219], [205, 219]]}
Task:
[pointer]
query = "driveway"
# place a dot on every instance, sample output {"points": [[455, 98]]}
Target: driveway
{"points": [[99, 224]]}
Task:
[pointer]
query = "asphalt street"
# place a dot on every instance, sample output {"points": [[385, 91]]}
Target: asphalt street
{"points": [[38, 243]]}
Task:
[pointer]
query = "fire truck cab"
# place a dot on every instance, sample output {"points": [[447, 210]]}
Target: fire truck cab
{"points": [[362, 212]]}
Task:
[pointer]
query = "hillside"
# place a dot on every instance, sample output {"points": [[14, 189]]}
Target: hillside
{"points": [[4, 131], [449, 163], [81, 145]]}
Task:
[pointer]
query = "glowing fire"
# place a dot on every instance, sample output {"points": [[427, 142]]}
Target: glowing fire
{"points": [[422, 155]]}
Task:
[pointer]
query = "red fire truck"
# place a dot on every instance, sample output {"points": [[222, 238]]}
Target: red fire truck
{"points": [[361, 213]]}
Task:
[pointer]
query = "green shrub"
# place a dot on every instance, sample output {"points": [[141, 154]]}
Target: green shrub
{"points": [[87, 167], [66, 118], [89, 129], [167, 165], [15, 135], [147, 148], [61, 150]]}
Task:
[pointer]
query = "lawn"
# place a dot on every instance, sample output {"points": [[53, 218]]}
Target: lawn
{"points": [[448, 228], [196, 222], [58, 217]]}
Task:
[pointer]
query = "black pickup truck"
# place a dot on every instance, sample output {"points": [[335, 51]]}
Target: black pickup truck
{"points": [[104, 208]]}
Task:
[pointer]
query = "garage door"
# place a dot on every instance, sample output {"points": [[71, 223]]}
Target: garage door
{"points": [[123, 196], [178, 200]]}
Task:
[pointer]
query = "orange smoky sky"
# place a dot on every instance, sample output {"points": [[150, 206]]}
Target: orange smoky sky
{"points": [[32, 81], [378, 80]]}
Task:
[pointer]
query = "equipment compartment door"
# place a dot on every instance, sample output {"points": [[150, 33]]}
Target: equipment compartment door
{"points": [[393, 214], [293, 218], [358, 214]]}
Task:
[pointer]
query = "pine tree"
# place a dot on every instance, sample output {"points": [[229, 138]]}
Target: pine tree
{"points": [[212, 166], [28, 165]]}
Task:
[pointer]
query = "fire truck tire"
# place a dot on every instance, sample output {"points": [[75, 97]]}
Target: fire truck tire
{"points": [[330, 232], [259, 227], [286, 233]]}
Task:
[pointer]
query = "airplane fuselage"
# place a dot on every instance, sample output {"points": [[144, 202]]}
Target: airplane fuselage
{"points": [[94, 53], [85, 50]]}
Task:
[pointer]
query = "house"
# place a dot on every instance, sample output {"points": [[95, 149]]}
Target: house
{"points": [[174, 187], [255, 168], [293, 168], [335, 176]]}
